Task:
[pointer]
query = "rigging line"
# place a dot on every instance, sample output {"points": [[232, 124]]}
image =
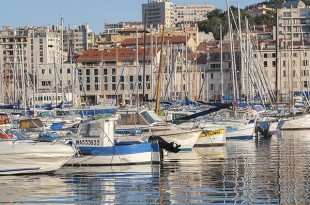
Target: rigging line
{"points": [[118, 84]]}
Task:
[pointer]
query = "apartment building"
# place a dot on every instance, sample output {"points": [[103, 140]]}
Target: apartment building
{"points": [[294, 21], [157, 13], [21, 51], [76, 39], [117, 75], [191, 13]]}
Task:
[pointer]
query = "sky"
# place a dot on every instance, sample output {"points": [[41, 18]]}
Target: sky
{"points": [[96, 13]]}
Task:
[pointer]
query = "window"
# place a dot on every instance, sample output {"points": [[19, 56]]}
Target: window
{"points": [[43, 71], [46, 83], [305, 84], [105, 71], [68, 70], [284, 63], [130, 78], [87, 71], [265, 64], [265, 55], [305, 62], [211, 86], [211, 76], [88, 80], [273, 55], [294, 84], [113, 79], [96, 72], [273, 63], [96, 79], [96, 87], [284, 73]]}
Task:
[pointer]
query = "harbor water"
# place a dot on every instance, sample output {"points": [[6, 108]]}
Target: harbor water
{"points": [[261, 171]]}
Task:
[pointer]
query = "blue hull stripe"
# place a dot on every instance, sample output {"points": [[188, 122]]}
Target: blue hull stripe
{"points": [[119, 149], [246, 137], [19, 170]]}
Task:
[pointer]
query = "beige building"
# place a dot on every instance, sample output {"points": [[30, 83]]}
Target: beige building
{"points": [[117, 75], [294, 21], [191, 13], [22, 50], [76, 39]]}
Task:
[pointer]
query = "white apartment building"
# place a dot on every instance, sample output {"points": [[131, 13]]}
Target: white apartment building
{"points": [[157, 12], [76, 39], [294, 21], [190, 13]]}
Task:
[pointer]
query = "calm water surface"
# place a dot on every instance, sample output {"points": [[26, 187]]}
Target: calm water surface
{"points": [[265, 171]]}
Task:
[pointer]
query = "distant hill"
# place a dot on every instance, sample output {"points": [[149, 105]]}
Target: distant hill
{"points": [[275, 4], [218, 17]]}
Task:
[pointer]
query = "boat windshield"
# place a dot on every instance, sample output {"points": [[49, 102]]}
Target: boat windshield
{"points": [[151, 117]]}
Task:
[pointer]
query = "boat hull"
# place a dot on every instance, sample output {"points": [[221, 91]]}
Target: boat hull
{"points": [[186, 138], [28, 157], [211, 138], [295, 123], [140, 153], [240, 132]]}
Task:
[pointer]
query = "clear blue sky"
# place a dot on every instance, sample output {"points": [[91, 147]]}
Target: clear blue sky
{"points": [[20, 13]]}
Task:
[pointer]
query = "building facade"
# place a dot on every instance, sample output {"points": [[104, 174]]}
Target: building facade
{"points": [[191, 13], [157, 13]]}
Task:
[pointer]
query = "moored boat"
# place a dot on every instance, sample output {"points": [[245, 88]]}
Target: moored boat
{"points": [[31, 156], [96, 145]]}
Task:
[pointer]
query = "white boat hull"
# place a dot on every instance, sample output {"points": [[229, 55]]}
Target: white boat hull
{"points": [[139, 158], [27, 157], [233, 130], [295, 123], [240, 132], [186, 138], [211, 138]]}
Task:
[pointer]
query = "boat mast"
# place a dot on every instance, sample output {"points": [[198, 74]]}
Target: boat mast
{"points": [[61, 62], [160, 71], [241, 55], [292, 63], [277, 59], [221, 64], [231, 49]]}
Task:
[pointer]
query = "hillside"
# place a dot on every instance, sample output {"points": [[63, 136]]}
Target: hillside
{"points": [[219, 17]]}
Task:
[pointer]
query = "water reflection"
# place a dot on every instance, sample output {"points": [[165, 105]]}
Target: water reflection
{"points": [[266, 171]]}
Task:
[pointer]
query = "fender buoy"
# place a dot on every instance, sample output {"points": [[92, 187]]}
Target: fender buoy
{"points": [[6, 136]]}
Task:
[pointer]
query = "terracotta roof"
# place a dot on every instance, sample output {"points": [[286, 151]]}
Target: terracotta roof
{"points": [[171, 39], [119, 54]]}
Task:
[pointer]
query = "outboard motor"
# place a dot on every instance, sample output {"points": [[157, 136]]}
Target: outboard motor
{"points": [[263, 128], [163, 144]]}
